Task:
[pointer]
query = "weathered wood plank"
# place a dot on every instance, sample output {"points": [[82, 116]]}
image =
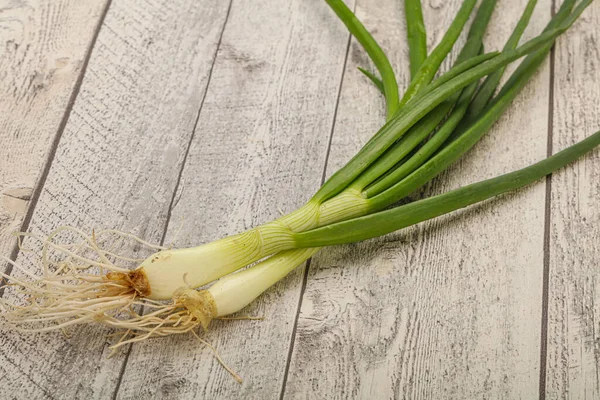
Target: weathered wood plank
{"points": [[43, 47], [573, 363], [260, 146], [116, 166], [450, 308]]}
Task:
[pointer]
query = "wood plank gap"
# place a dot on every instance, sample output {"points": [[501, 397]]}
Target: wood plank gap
{"points": [[547, 214], [54, 146], [176, 188], [193, 135], [307, 268], [293, 337]]}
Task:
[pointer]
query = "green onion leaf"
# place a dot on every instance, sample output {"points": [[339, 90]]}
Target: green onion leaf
{"points": [[417, 37], [432, 63], [376, 81], [374, 51]]}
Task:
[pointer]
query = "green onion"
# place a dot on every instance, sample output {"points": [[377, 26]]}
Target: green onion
{"points": [[425, 133]]}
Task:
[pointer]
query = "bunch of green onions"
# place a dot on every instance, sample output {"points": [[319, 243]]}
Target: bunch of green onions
{"points": [[434, 123]]}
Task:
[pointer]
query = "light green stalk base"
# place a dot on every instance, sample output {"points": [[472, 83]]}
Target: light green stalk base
{"points": [[169, 270], [236, 291]]}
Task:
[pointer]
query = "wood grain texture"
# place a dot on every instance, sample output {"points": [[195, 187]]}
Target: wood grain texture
{"points": [[116, 166], [449, 308], [43, 46], [573, 366], [260, 146]]}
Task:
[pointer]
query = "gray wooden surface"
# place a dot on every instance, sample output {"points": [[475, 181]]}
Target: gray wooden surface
{"points": [[189, 120]]}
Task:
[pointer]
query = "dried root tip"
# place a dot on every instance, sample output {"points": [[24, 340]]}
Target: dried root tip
{"points": [[199, 304], [136, 280]]}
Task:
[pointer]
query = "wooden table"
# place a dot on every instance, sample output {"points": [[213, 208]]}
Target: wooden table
{"points": [[207, 117]]}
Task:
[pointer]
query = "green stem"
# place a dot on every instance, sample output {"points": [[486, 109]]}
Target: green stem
{"points": [[463, 105], [374, 51], [534, 58], [403, 147], [459, 69], [489, 86], [376, 81], [417, 37], [380, 171], [531, 62], [432, 63], [455, 149], [384, 222], [430, 147], [477, 30]]}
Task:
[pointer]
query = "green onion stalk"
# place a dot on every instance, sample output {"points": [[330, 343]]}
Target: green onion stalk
{"points": [[432, 125]]}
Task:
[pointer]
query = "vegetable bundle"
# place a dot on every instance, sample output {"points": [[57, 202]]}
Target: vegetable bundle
{"points": [[429, 127]]}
